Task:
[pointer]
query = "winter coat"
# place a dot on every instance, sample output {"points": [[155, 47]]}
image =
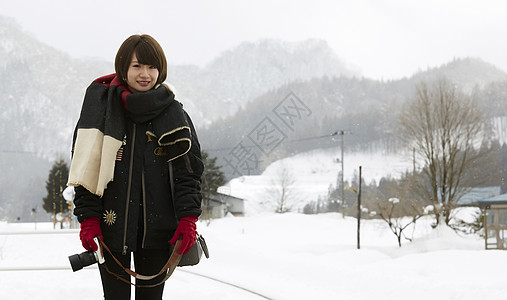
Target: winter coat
{"points": [[137, 209]]}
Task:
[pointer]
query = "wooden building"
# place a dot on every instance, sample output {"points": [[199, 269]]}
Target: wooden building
{"points": [[494, 211]]}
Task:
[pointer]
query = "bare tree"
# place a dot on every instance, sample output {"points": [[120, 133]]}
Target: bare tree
{"points": [[282, 189], [399, 216], [443, 126], [398, 205]]}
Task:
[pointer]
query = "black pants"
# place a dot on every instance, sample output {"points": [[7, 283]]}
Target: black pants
{"points": [[146, 262]]}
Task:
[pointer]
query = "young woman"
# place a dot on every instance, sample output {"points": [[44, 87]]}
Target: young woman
{"points": [[131, 131]]}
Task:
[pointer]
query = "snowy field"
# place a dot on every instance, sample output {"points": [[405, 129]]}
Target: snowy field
{"points": [[289, 256]]}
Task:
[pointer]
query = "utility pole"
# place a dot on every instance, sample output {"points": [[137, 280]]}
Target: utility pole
{"points": [[342, 134], [359, 211], [34, 213], [413, 161]]}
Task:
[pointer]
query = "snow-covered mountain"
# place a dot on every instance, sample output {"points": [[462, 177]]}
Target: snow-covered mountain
{"points": [[41, 92], [249, 70]]}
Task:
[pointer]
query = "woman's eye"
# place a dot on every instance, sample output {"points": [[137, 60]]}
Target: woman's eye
{"points": [[153, 67]]}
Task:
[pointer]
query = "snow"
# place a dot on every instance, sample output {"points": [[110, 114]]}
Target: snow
{"points": [[282, 256], [394, 200], [314, 172]]}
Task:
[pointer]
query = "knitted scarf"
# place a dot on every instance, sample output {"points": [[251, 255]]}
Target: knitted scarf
{"points": [[101, 128]]}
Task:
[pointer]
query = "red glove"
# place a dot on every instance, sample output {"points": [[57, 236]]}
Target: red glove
{"points": [[90, 228], [187, 229]]}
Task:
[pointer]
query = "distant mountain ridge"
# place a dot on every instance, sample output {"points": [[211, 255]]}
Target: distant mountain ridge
{"points": [[42, 91], [251, 69], [467, 72]]}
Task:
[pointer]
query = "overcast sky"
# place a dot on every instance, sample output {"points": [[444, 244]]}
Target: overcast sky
{"points": [[385, 39]]}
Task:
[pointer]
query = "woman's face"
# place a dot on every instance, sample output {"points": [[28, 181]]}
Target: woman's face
{"points": [[141, 78]]}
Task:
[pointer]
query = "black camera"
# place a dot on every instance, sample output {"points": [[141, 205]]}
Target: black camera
{"points": [[79, 261]]}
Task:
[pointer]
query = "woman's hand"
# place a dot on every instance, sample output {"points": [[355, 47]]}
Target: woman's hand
{"points": [[187, 230], [90, 228]]}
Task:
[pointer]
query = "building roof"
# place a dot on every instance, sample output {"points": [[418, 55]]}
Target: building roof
{"points": [[224, 197], [477, 194], [500, 199]]}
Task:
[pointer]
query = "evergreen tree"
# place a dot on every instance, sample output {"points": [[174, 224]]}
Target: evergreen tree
{"points": [[212, 179], [54, 202]]}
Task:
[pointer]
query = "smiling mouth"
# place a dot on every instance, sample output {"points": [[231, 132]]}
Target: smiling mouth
{"points": [[143, 83]]}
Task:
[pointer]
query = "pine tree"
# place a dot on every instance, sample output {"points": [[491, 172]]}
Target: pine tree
{"points": [[212, 178], [54, 202]]}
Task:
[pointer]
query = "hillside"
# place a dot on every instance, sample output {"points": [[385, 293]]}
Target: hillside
{"points": [[41, 90], [366, 109], [468, 72], [312, 174]]}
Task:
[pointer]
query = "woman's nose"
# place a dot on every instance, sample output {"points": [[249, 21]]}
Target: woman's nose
{"points": [[144, 71]]}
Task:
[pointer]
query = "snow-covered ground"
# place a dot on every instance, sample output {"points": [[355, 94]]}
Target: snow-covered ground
{"points": [[287, 256]]}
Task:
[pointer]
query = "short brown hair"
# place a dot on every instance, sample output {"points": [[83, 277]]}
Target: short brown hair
{"points": [[148, 52]]}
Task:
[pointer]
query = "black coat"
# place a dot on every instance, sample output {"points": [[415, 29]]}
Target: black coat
{"points": [[137, 209]]}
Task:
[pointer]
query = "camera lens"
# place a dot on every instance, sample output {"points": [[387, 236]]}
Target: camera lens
{"points": [[78, 261]]}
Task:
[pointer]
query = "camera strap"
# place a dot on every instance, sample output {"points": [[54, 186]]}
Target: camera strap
{"points": [[170, 266]]}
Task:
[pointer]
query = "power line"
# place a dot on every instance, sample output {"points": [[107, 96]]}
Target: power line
{"points": [[18, 152], [29, 152], [285, 142]]}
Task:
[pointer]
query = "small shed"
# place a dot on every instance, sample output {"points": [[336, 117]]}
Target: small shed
{"points": [[214, 208], [218, 205], [234, 205], [494, 211]]}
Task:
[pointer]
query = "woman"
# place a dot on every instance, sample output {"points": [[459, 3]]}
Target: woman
{"points": [[130, 130]]}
